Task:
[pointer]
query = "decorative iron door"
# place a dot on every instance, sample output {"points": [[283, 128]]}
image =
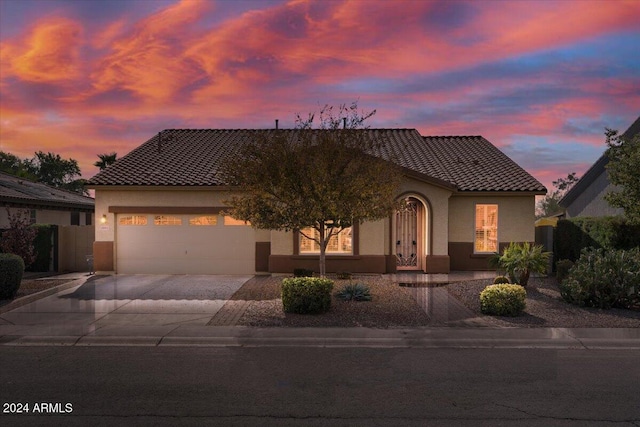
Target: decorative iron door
{"points": [[407, 236]]}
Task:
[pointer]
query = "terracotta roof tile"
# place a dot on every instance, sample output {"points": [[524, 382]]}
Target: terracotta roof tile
{"points": [[191, 157]]}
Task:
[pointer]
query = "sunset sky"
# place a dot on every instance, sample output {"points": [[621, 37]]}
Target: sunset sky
{"points": [[539, 79]]}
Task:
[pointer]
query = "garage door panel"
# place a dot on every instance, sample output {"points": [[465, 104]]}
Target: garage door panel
{"points": [[185, 249]]}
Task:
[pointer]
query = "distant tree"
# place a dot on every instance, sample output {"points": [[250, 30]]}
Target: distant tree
{"points": [[106, 160], [320, 178], [48, 168], [624, 172], [16, 166], [550, 204], [18, 239]]}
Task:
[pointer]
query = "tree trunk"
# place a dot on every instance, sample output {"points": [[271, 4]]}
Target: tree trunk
{"points": [[323, 249]]}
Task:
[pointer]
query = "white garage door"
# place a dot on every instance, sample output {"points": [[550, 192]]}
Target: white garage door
{"points": [[183, 244]]}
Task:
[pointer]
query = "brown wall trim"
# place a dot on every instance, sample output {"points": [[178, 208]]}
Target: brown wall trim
{"points": [[352, 264], [463, 258], [166, 209], [437, 264], [103, 256], [263, 250]]}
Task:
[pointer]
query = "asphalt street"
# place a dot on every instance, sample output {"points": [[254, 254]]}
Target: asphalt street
{"points": [[299, 386]]}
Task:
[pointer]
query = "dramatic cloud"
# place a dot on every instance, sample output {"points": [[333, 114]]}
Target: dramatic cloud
{"points": [[540, 79]]}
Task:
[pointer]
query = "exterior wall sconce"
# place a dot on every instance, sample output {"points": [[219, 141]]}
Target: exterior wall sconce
{"points": [[103, 220]]}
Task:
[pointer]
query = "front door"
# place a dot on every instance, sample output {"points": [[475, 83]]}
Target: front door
{"points": [[408, 236]]}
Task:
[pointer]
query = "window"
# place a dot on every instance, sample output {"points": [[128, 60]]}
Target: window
{"points": [[87, 218], [75, 218], [204, 220], [132, 220], [338, 244], [486, 235], [166, 220], [32, 216], [232, 221]]}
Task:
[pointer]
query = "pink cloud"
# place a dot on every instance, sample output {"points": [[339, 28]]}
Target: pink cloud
{"points": [[49, 53]]}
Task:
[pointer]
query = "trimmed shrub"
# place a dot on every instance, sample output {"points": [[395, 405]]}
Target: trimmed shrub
{"points": [[11, 270], [306, 295], [604, 278], [503, 300], [562, 269], [354, 292], [501, 279], [302, 272]]}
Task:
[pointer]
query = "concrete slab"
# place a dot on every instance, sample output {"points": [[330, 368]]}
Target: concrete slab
{"points": [[163, 319], [175, 306]]}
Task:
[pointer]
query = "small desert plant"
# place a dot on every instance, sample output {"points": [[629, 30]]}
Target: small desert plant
{"points": [[354, 292], [11, 270], [521, 259], [501, 279], [503, 300], [344, 275], [306, 295]]}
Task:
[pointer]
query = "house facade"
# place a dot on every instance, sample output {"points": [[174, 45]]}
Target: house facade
{"points": [[45, 204], [160, 209]]}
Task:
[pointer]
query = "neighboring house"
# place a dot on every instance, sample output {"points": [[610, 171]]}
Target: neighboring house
{"points": [[586, 197], [45, 204], [160, 210]]}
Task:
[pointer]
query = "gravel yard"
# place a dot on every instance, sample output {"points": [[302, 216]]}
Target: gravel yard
{"points": [[394, 306]]}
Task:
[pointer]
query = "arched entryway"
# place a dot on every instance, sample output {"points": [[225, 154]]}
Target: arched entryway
{"points": [[411, 233]]}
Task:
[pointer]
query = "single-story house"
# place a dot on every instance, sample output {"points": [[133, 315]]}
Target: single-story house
{"points": [[586, 197], [160, 210], [46, 204]]}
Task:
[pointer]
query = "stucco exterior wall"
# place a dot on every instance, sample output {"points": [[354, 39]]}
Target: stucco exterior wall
{"points": [[516, 217], [146, 197], [372, 237]]}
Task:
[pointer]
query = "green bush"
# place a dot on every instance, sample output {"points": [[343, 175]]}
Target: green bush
{"points": [[604, 278], [501, 279], [354, 292], [302, 272], [503, 300], [562, 269], [306, 295], [11, 269], [519, 260], [573, 235]]}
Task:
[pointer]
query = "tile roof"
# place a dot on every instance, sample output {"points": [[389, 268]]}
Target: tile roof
{"points": [[21, 191], [191, 157]]}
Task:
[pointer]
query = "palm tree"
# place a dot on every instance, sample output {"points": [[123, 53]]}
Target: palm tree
{"points": [[105, 160]]}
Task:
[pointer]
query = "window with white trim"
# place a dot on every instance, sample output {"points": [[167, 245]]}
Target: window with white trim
{"points": [[167, 220], [132, 220], [342, 243], [203, 220], [486, 229]]}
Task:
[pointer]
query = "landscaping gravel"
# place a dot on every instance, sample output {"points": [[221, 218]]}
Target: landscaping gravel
{"points": [[393, 306]]}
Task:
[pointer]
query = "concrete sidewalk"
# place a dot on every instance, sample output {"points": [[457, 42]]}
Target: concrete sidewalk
{"points": [[238, 336]]}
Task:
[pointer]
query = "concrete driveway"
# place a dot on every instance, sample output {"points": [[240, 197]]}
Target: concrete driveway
{"points": [[125, 305]]}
